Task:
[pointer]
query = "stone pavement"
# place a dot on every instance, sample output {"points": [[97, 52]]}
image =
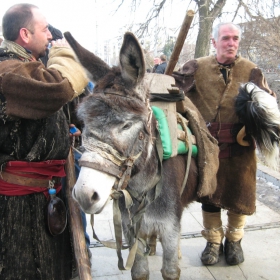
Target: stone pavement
{"points": [[261, 243]]}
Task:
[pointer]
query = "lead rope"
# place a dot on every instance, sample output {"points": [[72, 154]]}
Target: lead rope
{"points": [[134, 228], [135, 222]]}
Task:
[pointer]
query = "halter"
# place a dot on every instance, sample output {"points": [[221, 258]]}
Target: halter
{"points": [[119, 166], [115, 164]]}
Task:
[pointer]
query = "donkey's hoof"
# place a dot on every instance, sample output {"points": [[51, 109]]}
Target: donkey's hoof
{"points": [[146, 277], [175, 276], [153, 250]]}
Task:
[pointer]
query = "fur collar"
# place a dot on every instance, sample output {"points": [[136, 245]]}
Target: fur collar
{"points": [[17, 49]]}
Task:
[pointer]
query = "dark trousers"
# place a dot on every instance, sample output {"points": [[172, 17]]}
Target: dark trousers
{"points": [[210, 208]]}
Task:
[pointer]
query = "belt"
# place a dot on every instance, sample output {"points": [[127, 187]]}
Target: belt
{"points": [[28, 182]]}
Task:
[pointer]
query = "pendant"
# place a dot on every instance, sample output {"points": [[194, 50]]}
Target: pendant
{"points": [[56, 214]]}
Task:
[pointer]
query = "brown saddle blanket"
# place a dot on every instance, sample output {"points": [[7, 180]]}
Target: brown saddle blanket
{"points": [[208, 150]]}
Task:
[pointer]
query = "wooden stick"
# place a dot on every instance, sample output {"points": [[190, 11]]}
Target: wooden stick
{"points": [[179, 42], [76, 225]]}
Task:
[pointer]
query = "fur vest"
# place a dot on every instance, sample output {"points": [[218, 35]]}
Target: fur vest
{"points": [[32, 125], [33, 128], [203, 82]]}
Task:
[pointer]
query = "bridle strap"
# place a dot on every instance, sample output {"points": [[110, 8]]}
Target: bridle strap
{"points": [[133, 230], [108, 168], [121, 166], [135, 222]]}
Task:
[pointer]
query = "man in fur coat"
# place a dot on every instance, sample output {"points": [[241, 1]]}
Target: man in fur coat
{"points": [[34, 144], [212, 83]]}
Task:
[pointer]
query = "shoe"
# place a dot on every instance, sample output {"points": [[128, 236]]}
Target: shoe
{"points": [[211, 253], [233, 252]]}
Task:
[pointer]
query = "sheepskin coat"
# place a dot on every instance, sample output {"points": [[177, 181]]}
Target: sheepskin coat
{"points": [[33, 128], [203, 82]]}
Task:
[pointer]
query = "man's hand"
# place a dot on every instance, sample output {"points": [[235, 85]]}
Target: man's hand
{"points": [[77, 133], [60, 43]]}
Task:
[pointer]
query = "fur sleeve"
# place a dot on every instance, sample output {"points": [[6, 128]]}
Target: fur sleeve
{"points": [[185, 76], [31, 91], [258, 79], [63, 60]]}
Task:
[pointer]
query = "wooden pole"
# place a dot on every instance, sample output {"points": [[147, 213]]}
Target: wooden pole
{"points": [[76, 225], [179, 42]]}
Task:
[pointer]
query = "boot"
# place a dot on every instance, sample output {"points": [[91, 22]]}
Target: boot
{"points": [[234, 234], [233, 252], [214, 234], [211, 253]]}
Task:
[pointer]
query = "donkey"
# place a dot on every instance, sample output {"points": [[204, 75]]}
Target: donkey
{"points": [[122, 158]]}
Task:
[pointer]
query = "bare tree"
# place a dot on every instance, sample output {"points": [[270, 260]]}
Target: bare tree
{"points": [[260, 39], [208, 12]]}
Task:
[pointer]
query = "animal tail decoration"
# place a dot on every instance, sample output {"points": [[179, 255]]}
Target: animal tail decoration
{"points": [[259, 112]]}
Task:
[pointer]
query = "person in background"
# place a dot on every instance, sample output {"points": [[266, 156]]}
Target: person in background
{"points": [[212, 83], [34, 145], [162, 65], [156, 64]]}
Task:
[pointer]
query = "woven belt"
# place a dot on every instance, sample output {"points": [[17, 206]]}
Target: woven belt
{"points": [[28, 182]]}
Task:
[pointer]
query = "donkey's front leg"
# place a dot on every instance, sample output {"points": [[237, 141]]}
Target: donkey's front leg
{"points": [[170, 242], [140, 268], [152, 240]]}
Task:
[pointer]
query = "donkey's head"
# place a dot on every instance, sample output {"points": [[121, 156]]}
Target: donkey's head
{"points": [[116, 133]]}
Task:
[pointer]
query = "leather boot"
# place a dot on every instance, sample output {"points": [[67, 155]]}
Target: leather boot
{"points": [[211, 253], [234, 235], [233, 252]]}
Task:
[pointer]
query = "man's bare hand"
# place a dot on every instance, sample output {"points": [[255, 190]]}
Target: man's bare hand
{"points": [[60, 43]]}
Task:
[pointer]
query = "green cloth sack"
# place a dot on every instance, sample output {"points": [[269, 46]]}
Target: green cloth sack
{"points": [[163, 131], [166, 138]]}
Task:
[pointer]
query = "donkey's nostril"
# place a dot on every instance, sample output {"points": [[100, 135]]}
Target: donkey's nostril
{"points": [[74, 193], [95, 196]]}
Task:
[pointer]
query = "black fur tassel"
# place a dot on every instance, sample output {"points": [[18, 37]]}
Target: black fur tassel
{"points": [[249, 112], [259, 112]]}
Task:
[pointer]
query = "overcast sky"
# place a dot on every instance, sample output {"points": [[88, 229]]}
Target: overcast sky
{"points": [[83, 17], [77, 16], [93, 21]]}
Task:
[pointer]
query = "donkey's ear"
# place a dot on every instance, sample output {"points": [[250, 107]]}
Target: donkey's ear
{"points": [[96, 67], [132, 60]]}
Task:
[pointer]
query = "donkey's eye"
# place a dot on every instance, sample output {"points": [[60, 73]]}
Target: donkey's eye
{"points": [[127, 126]]}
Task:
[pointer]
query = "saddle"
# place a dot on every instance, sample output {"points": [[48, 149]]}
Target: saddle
{"points": [[207, 146], [176, 137]]}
